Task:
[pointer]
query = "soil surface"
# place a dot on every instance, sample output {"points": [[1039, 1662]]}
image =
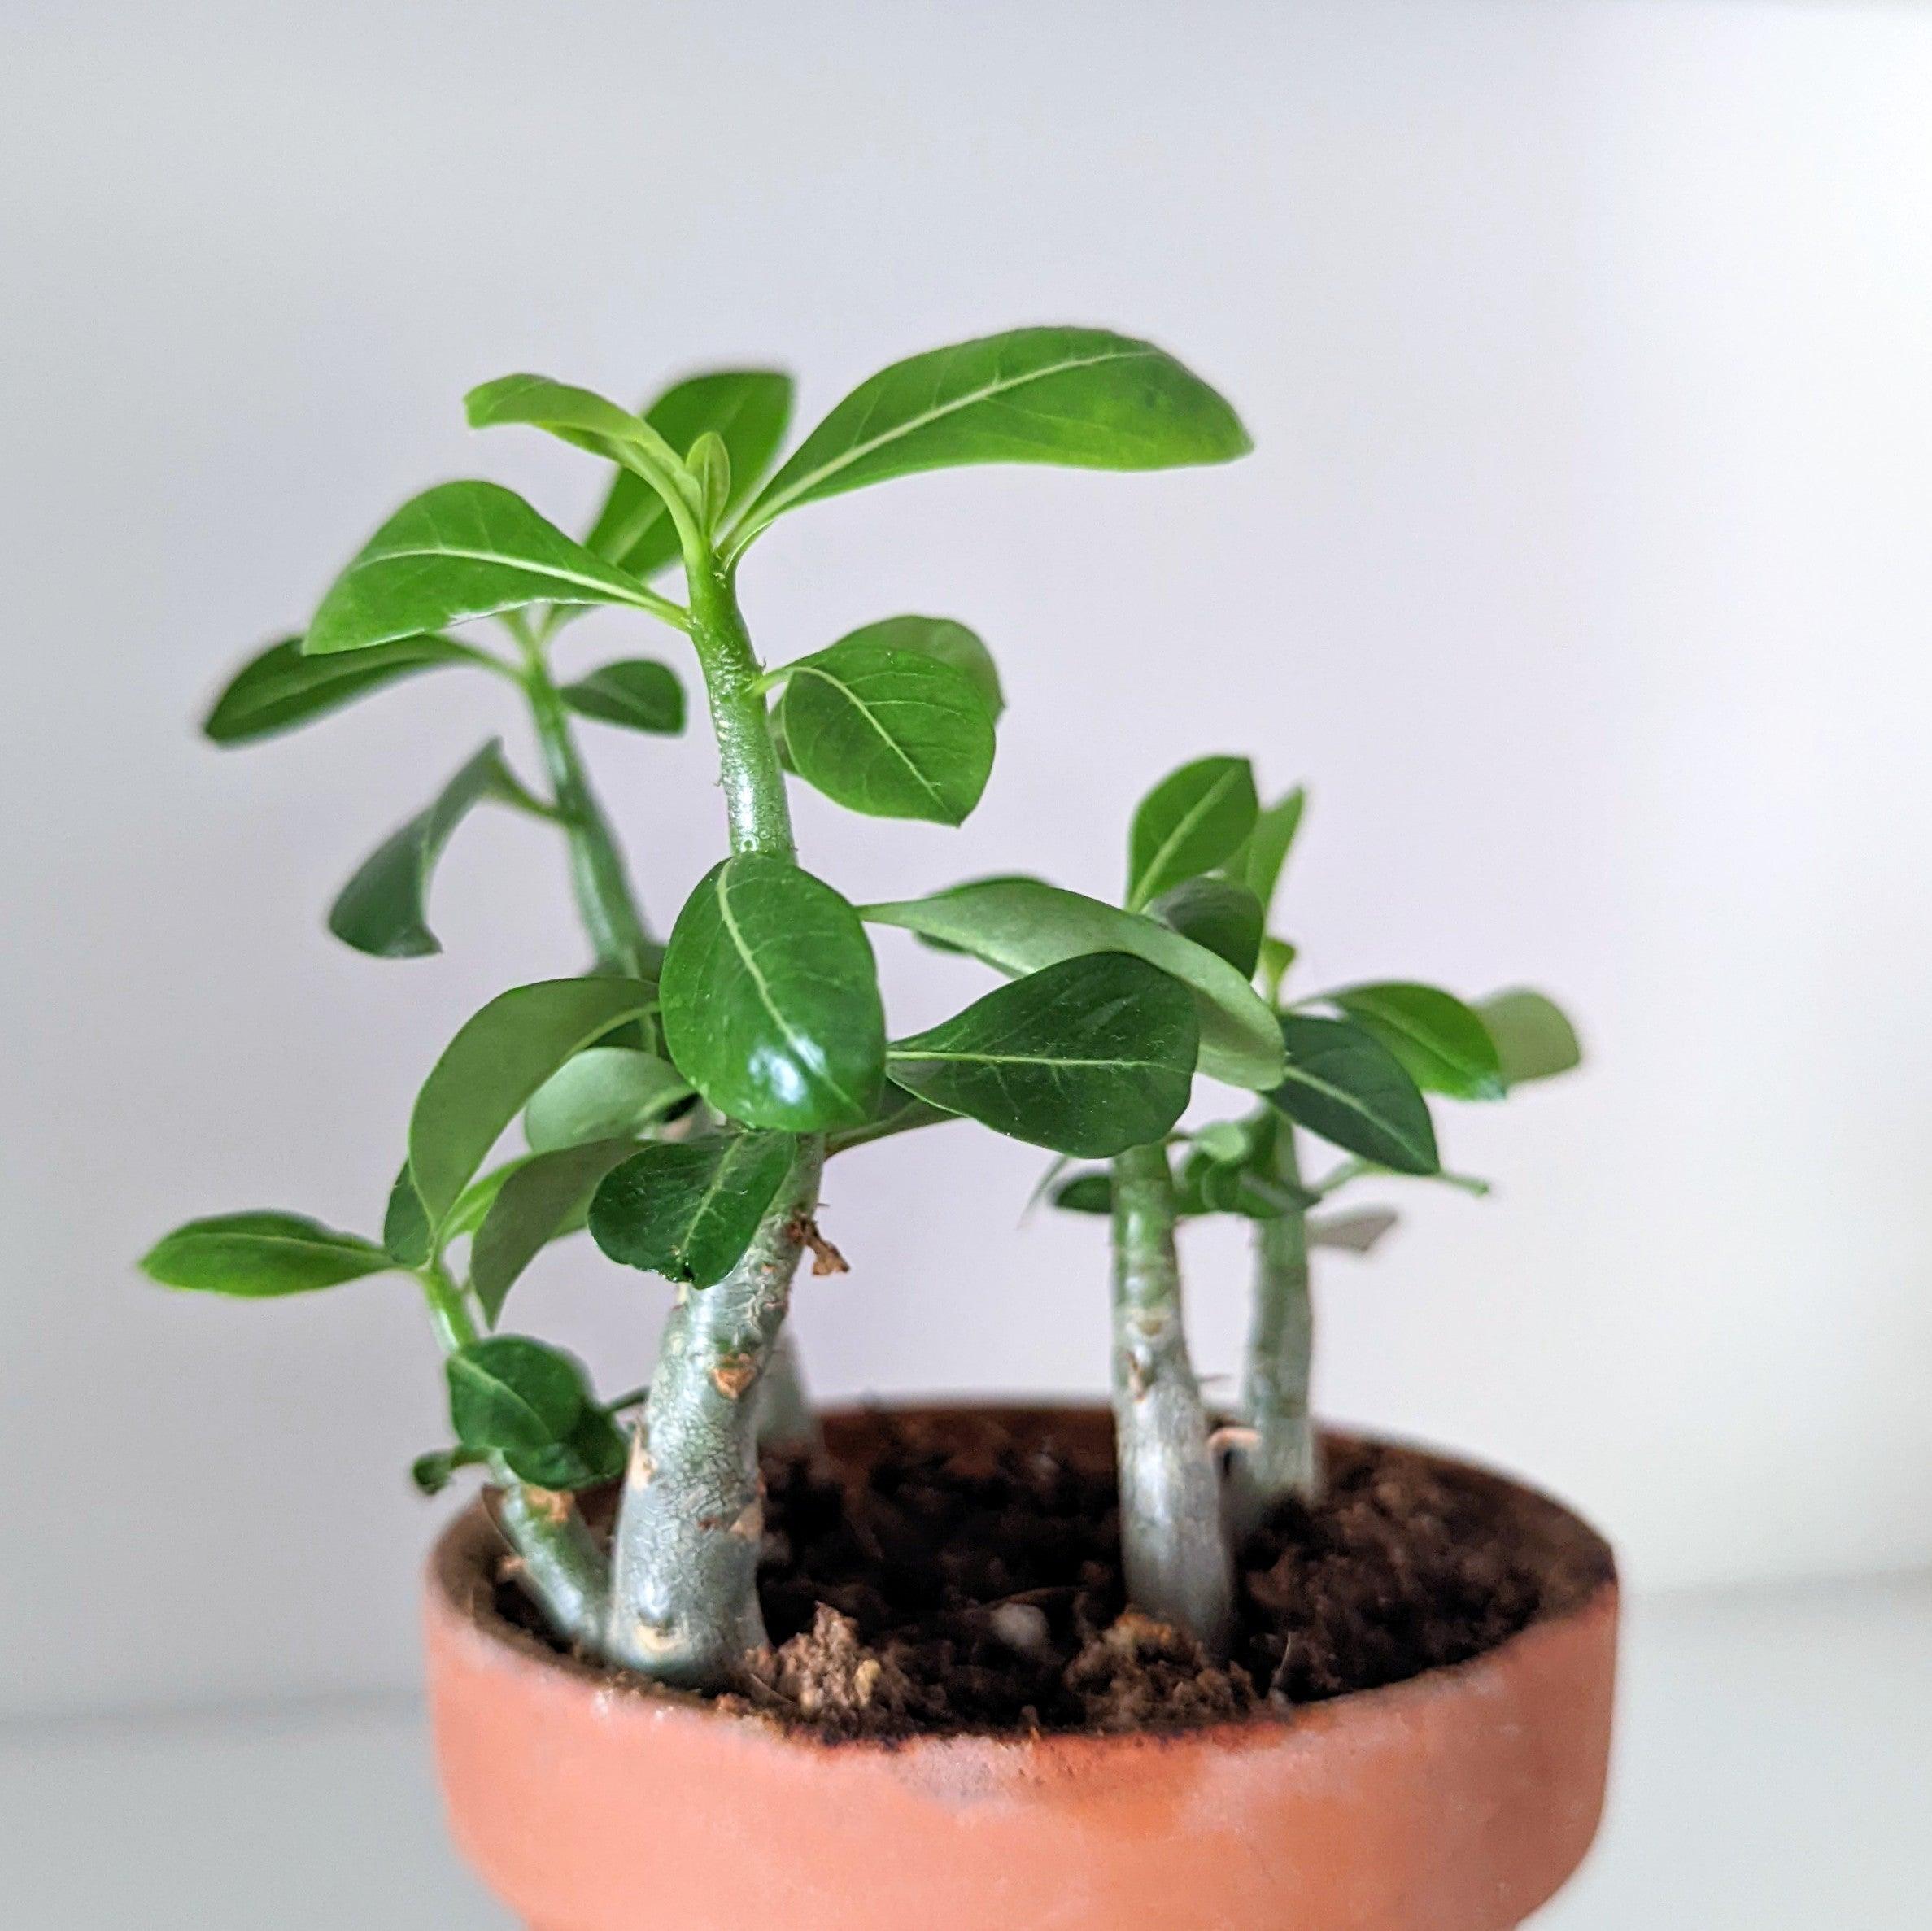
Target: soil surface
{"points": [[941, 1589]]}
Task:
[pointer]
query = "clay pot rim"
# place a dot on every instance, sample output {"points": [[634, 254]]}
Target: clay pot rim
{"points": [[461, 1592]]}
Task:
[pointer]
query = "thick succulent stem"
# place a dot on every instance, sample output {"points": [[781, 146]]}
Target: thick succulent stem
{"points": [[1176, 1560], [684, 1604], [559, 1561], [1282, 1457]]}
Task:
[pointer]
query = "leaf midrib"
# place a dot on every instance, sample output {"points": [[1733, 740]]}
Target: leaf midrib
{"points": [[1184, 825], [463, 554], [807, 669], [762, 512], [1300, 1075]]}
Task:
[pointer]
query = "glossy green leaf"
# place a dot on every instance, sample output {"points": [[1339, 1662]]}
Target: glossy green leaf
{"points": [[688, 1209], [1534, 1039], [710, 462], [1258, 863], [748, 409], [943, 639], [406, 1231], [1443, 1044], [606, 1093], [1351, 1233], [1082, 397], [1088, 1056], [1022, 925], [891, 733], [1218, 913], [1191, 820], [771, 1006], [281, 688], [1345, 1086], [637, 693], [476, 1199], [510, 1394], [460, 551], [592, 1452], [489, 1072], [384, 909], [591, 421], [547, 1196], [257, 1255]]}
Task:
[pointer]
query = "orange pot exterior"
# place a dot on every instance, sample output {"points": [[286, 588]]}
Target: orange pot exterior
{"points": [[1458, 1801]]}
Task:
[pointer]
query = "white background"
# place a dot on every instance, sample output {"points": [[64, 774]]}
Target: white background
{"points": [[1582, 570]]}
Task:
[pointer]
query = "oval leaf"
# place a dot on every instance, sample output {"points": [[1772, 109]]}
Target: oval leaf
{"points": [[1089, 1056], [258, 1256], [509, 1393], [940, 637], [1218, 913], [1083, 397], [384, 909], [283, 689], [771, 1006], [1191, 820], [748, 409], [887, 732], [606, 1093], [688, 1210], [583, 418], [1444, 1046], [1534, 1039], [545, 1198], [460, 551], [488, 1072], [637, 693], [405, 1225], [1020, 925], [1343, 1085]]}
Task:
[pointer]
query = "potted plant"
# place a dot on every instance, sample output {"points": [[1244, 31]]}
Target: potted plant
{"points": [[969, 1664]]}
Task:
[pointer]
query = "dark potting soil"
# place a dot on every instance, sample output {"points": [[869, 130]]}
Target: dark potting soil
{"points": [[937, 1592]]}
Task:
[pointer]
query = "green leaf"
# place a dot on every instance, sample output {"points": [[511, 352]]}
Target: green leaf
{"points": [[460, 551], [1218, 913], [688, 1209], [509, 1393], [1276, 955], [1089, 1056], [1444, 1046], [478, 1197], [1343, 1085], [748, 408], [1020, 925], [281, 688], [591, 1453], [1081, 396], [637, 693], [606, 1093], [710, 462], [547, 1196], [1264, 852], [891, 733], [1534, 1039], [257, 1255], [1351, 1233], [588, 421], [406, 1231], [384, 909], [944, 640], [433, 1473], [1085, 1193], [771, 1006], [488, 1072], [1191, 820]]}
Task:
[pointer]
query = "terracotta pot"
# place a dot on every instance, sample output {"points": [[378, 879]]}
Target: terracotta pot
{"points": [[1458, 1801]]}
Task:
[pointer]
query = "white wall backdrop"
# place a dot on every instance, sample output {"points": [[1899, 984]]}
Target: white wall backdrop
{"points": [[1582, 570]]}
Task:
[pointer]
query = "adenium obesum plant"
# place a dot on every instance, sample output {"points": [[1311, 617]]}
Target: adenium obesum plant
{"points": [[764, 1002], [1206, 858]]}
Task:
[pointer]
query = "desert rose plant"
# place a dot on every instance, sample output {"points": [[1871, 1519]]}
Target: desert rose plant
{"points": [[765, 1003]]}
